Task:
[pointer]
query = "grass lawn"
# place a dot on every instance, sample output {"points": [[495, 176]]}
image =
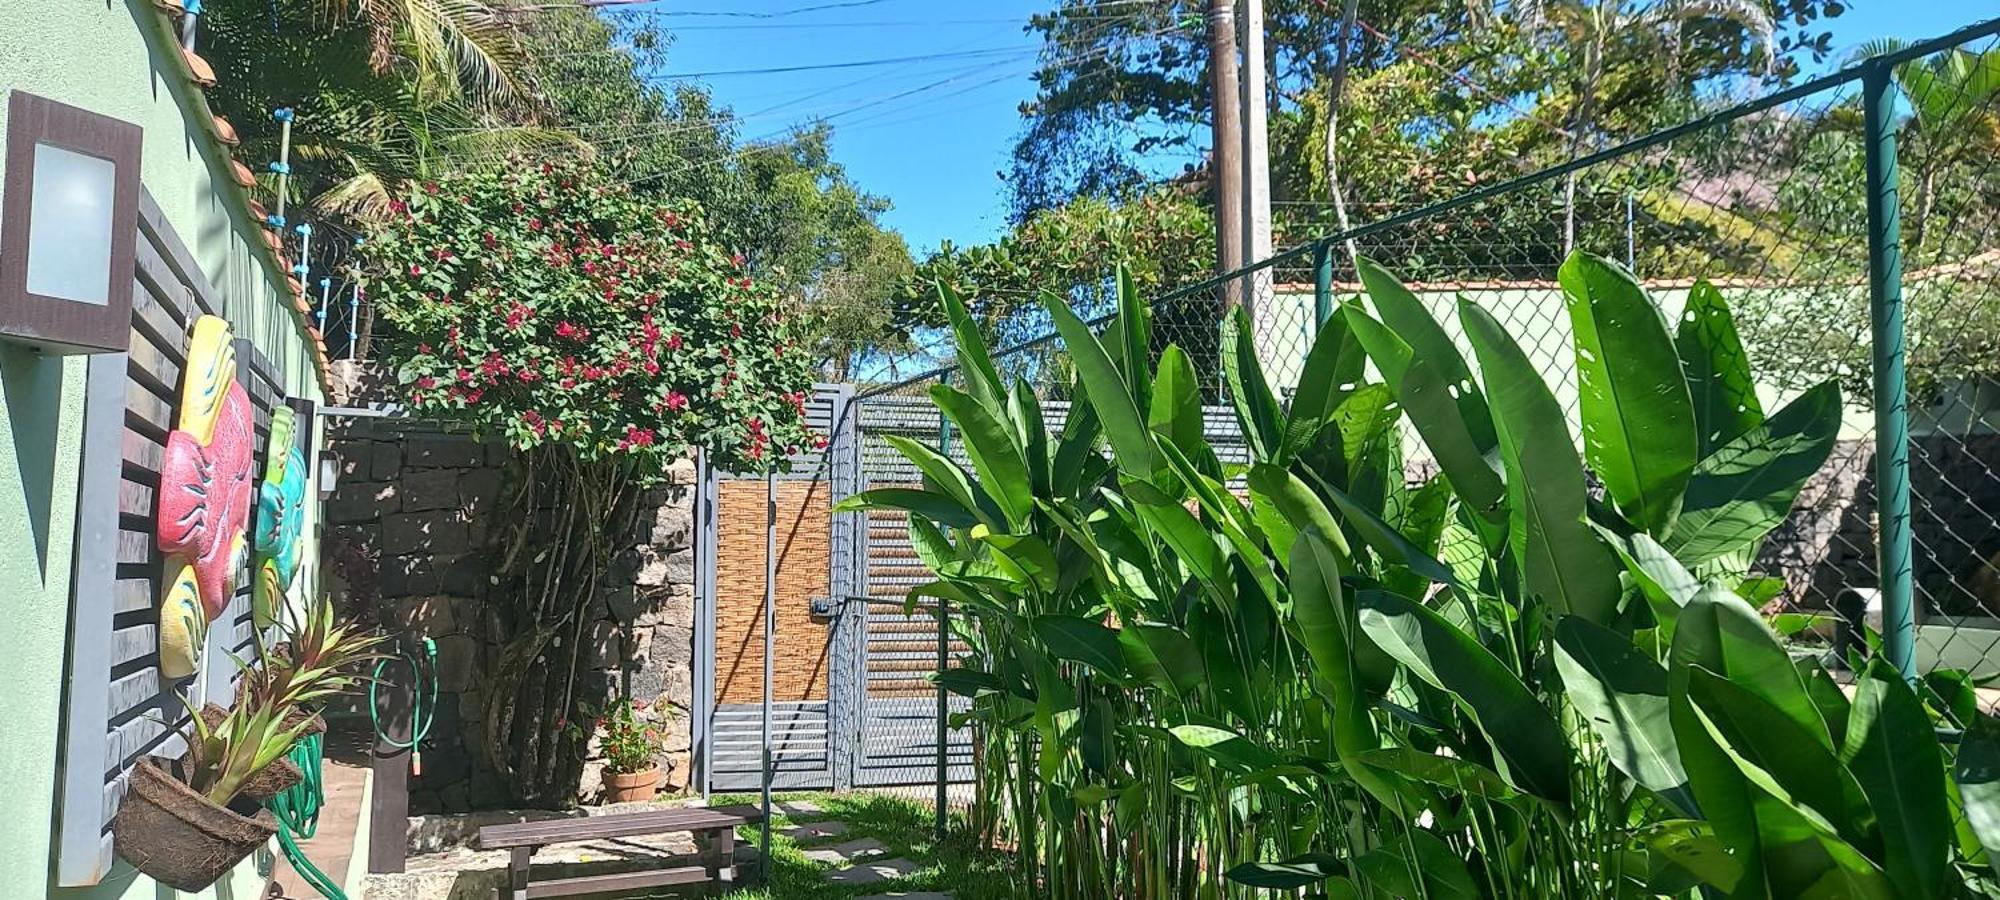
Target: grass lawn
{"points": [[903, 825]]}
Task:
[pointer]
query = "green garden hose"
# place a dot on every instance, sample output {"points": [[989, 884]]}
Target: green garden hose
{"points": [[423, 671], [297, 811]]}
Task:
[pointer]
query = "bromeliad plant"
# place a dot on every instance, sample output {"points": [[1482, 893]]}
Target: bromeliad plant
{"points": [[1188, 671]]}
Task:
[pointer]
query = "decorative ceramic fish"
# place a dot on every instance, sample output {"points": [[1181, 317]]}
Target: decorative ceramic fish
{"points": [[204, 496], [281, 517]]}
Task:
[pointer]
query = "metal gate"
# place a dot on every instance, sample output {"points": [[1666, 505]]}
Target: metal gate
{"points": [[815, 549], [896, 725]]}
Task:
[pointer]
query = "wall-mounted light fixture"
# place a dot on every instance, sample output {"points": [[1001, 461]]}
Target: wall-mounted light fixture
{"points": [[329, 473], [69, 223]]}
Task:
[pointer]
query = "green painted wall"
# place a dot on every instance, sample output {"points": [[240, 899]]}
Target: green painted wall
{"points": [[108, 56]]}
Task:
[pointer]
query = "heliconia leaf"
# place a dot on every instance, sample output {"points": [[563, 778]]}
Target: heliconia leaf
{"points": [[1076, 449], [1638, 418], [1427, 397], [1025, 411], [1775, 754], [1718, 631], [968, 682], [1003, 472], [1977, 773], [1562, 561], [1162, 655], [1296, 872], [1175, 414], [1742, 491], [1718, 370], [1665, 584], [1224, 746], [1892, 749], [942, 474], [1330, 632], [1078, 639], [1530, 747], [1135, 334], [931, 505], [1622, 694], [1332, 367], [1257, 410], [1386, 541], [1105, 388], [1295, 500], [1692, 845], [975, 364]]}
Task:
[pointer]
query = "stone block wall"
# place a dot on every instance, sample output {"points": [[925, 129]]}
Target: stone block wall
{"points": [[413, 540]]}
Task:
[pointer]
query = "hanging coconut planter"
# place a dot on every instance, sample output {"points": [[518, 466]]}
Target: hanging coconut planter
{"points": [[179, 837]]}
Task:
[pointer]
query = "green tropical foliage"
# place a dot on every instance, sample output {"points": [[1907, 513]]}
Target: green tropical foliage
{"points": [[1318, 667]]}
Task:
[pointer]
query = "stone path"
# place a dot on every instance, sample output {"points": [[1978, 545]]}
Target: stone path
{"points": [[862, 857]]}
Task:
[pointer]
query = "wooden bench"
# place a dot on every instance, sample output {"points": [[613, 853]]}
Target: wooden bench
{"points": [[714, 831]]}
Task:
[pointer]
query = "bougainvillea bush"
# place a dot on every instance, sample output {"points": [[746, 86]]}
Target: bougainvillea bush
{"points": [[546, 304]]}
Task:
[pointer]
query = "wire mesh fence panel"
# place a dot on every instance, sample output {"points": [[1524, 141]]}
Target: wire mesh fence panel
{"points": [[1762, 208]]}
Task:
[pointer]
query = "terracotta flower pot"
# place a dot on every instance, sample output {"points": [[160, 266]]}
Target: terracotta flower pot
{"points": [[166, 830], [631, 787]]}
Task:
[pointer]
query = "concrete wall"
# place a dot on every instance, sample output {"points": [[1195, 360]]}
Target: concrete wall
{"points": [[416, 534], [105, 56]]}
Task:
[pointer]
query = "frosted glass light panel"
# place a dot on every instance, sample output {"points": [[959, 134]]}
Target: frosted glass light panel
{"points": [[69, 225]]}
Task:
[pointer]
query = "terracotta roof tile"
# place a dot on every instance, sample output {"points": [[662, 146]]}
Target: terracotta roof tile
{"points": [[204, 74]]}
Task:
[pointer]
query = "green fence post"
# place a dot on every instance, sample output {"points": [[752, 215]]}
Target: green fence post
{"points": [[1892, 419], [1322, 282]]}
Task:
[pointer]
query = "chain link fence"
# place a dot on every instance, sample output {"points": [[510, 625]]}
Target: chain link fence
{"points": [[1848, 222]]}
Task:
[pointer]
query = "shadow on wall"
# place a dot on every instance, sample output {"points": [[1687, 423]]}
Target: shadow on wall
{"points": [[32, 385]]}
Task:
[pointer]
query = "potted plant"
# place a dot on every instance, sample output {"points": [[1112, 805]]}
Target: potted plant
{"points": [[186, 823], [630, 773]]}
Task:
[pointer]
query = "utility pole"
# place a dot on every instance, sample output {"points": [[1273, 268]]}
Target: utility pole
{"points": [[1256, 167], [1226, 156]]}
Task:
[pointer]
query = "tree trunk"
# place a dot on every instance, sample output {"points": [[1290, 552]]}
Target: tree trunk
{"points": [[1333, 133]]}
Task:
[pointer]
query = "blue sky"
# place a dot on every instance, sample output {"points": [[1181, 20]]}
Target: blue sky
{"points": [[933, 135]]}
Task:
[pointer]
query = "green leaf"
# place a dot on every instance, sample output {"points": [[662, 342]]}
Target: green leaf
{"points": [[1078, 639], [931, 505], [975, 365], [1638, 418], [1386, 541], [1692, 845], [1563, 563], [1363, 417], [1332, 367], [1176, 404], [1531, 749], [1224, 746], [1721, 633], [1135, 333], [1026, 418], [1776, 754], [1622, 694], [1330, 633], [1295, 500], [1105, 388], [1297, 872], [1257, 410], [1442, 409], [1665, 584], [943, 474], [1162, 655], [1977, 773], [1003, 473], [968, 682], [1462, 776], [1742, 491], [1417, 864], [1892, 750], [1718, 371]]}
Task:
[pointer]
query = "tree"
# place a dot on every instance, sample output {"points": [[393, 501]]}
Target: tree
{"points": [[1953, 119]]}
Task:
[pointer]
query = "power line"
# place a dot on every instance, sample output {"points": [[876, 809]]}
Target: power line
{"points": [[850, 64]]}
